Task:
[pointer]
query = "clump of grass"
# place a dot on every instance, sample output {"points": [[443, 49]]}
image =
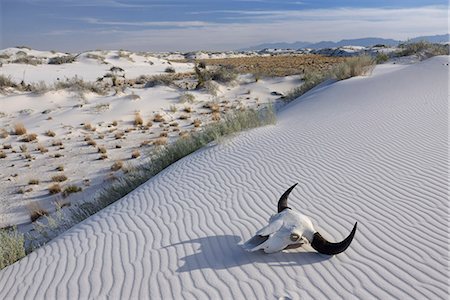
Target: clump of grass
{"points": [[23, 148], [197, 123], [163, 134], [163, 79], [80, 86], [184, 117], [36, 211], [158, 118], [117, 166], [187, 97], [114, 123], [71, 189], [88, 126], [101, 149], [59, 60], [2, 154], [41, 148], [19, 129], [160, 141], [138, 119], [187, 109], [12, 246], [3, 133], [103, 156], [119, 135], [56, 143], [50, 133], [60, 168], [381, 58], [54, 189], [6, 82], [212, 105], [33, 181], [135, 154], [423, 49], [30, 137], [354, 66], [28, 60], [170, 69], [59, 178]]}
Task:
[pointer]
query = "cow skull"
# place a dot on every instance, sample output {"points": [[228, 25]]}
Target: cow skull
{"points": [[289, 229]]}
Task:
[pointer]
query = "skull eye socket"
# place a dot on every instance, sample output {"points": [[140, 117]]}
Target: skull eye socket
{"points": [[294, 237]]}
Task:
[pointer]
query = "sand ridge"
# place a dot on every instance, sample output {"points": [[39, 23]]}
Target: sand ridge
{"points": [[372, 150]]}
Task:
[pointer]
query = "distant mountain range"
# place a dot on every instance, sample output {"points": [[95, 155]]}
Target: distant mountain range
{"points": [[366, 42]]}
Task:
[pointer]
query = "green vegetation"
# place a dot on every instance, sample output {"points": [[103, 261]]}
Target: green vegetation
{"points": [[12, 246]]}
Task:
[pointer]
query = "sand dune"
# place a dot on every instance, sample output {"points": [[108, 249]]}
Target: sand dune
{"points": [[367, 149]]}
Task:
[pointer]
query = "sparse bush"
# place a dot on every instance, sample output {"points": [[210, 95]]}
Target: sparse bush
{"points": [[28, 60], [33, 181], [117, 165], [12, 246], [160, 141], [381, 58], [54, 189], [19, 129], [30, 137], [212, 105], [170, 70], [138, 119], [23, 148], [158, 118], [2, 154], [6, 82], [135, 154], [88, 126], [59, 60], [163, 79], [71, 189], [80, 86], [197, 123], [211, 87], [424, 49], [187, 97], [56, 143], [353, 66], [50, 133], [173, 109], [59, 178], [36, 211], [101, 149], [39, 87], [41, 148]]}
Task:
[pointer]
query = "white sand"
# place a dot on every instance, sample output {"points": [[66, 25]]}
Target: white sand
{"points": [[372, 150], [68, 111]]}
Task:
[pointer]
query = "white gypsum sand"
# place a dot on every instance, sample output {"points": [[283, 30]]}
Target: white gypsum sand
{"points": [[66, 113], [368, 149]]}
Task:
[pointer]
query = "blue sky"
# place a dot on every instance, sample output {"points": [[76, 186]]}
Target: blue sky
{"points": [[211, 25]]}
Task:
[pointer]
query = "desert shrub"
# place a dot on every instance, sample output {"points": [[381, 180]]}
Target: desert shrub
{"points": [[138, 119], [212, 105], [50, 133], [223, 74], [59, 178], [160, 141], [88, 126], [3, 133], [54, 189], [187, 97], [211, 87], [36, 211], [56, 143], [6, 82], [71, 189], [381, 58], [101, 149], [170, 70], [28, 60], [78, 85], [19, 129], [163, 79], [59, 60], [353, 66], [33, 181], [117, 165], [158, 118], [12, 246], [41, 148], [2, 154], [30, 137], [423, 48], [197, 123], [135, 154]]}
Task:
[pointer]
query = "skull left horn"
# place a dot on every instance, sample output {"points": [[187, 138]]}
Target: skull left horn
{"points": [[289, 229]]}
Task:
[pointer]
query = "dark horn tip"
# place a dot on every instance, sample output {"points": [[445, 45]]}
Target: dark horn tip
{"points": [[323, 246], [282, 203]]}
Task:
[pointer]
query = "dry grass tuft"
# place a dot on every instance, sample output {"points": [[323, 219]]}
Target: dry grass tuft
{"points": [[138, 119], [50, 133], [88, 126], [215, 117], [54, 189], [30, 137], [101, 149], [160, 141], [59, 178], [71, 189], [36, 211], [135, 154], [184, 117], [119, 135], [2, 154], [103, 156], [56, 143], [3, 133], [60, 168], [33, 181], [117, 166], [197, 123], [19, 129], [41, 148], [158, 118], [187, 109]]}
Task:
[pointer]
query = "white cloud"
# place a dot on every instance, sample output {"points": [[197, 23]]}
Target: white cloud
{"points": [[273, 26]]}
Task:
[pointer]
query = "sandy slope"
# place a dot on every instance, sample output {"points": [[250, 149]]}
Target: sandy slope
{"points": [[372, 150]]}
